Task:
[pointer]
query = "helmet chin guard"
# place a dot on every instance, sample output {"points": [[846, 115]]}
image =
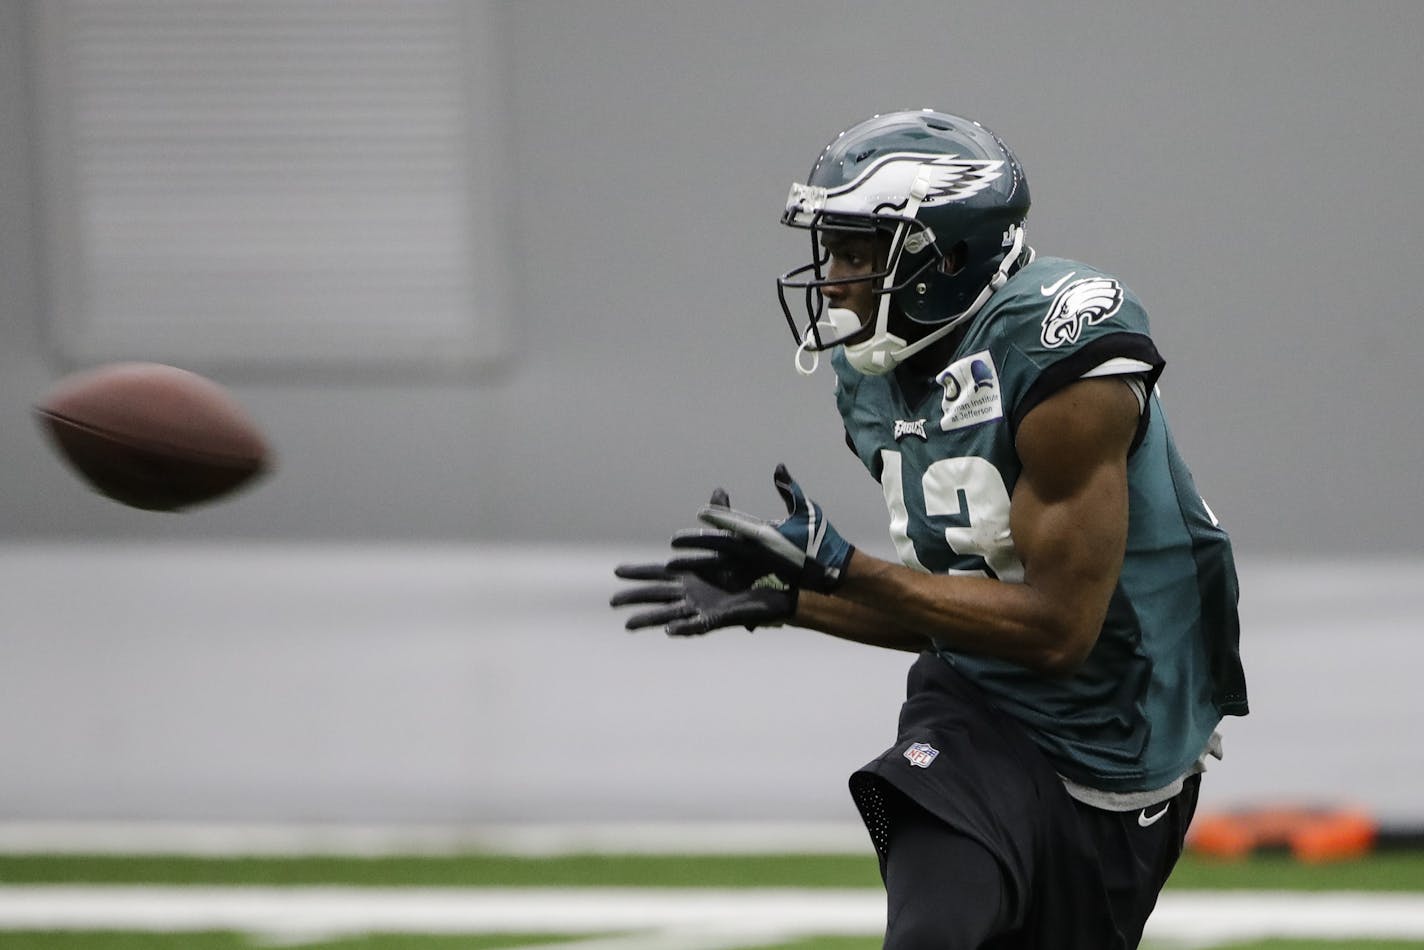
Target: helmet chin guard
{"points": [[878, 354]]}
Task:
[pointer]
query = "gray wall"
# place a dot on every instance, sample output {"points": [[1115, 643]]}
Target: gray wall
{"points": [[1247, 168]]}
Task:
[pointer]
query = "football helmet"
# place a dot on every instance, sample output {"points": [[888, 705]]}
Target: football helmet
{"points": [[951, 199]]}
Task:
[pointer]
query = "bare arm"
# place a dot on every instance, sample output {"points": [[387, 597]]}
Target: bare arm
{"points": [[1069, 522], [850, 620]]}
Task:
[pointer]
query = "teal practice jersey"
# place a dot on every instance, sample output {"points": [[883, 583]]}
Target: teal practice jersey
{"points": [[1166, 667]]}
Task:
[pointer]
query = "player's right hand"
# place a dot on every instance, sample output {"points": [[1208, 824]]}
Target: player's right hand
{"points": [[687, 605]]}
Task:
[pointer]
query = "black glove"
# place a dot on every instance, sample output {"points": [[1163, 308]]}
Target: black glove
{"points": [[802, 549], [703, 592], [691, 605]]}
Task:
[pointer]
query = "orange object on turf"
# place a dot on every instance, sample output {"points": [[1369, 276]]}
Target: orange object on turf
{"points": [[1310, 834]]}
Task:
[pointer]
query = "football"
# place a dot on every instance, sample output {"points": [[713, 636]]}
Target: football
{"points": [[153, 436]]}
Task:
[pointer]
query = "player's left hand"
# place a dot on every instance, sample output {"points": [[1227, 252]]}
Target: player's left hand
{"points": [[802, 549]]}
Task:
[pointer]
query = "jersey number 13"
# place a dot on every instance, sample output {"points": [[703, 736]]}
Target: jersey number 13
{"points": [[966, 497]]}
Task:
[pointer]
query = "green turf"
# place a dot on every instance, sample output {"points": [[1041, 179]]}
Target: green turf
{"points": [[107, 940], [873, 943], [1325, 945], [1390, 871], [454, 871], [115, 940], [823, 943]]}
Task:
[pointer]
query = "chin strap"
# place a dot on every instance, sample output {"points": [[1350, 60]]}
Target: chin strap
{"points": [[801, 367], [998, 280]]}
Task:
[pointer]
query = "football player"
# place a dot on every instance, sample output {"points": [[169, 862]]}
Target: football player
{"points": [[1071, 598]]}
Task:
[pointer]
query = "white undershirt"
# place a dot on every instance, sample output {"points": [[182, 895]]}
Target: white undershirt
{"points": [[1130, 370], [1131, 801]]}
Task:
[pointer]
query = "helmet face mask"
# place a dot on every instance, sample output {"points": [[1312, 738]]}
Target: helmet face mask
{"points": [[941, 188], [885, 279]]}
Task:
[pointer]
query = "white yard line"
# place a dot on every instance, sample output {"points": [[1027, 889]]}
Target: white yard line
{"points": [[684, 918], [533, 839], [1205, 916], [438, 910]]}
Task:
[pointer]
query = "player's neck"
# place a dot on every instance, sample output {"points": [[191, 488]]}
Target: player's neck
{"points": [[939, 354], [917, 375]]}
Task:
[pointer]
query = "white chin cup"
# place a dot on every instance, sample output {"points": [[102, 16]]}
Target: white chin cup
{"points": [[873, 357]]}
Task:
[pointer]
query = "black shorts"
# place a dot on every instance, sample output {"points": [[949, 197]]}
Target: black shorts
{"points": [[1069, 875]]}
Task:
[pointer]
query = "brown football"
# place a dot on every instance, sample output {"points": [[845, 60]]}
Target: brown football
{"points": [[153, 436]]}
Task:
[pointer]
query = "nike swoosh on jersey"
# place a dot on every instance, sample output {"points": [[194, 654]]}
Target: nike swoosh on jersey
{"points": [[1052, 288], [1145, 819]]}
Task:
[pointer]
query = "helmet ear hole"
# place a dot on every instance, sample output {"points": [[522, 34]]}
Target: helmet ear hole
{"points": [[954, 261]]}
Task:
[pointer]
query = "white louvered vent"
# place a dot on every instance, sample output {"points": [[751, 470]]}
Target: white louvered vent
{"points": [[291, 183]]}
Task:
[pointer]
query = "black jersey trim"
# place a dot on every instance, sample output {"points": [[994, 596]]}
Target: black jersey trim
{"points": [[1093, 354], [1219, 593]]}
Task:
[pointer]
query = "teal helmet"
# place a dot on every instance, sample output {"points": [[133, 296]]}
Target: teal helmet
{"points": [[951, 198]]}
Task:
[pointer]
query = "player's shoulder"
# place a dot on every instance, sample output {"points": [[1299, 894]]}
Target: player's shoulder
{"points": [[1055, 304], [1048, 283], [1047, 271]]}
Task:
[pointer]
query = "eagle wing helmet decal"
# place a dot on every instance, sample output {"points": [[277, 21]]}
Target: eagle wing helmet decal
{"points": [[1084, 302], [951, 178], [926, 179]]}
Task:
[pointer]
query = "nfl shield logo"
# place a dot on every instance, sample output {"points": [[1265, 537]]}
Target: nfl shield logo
{"points": [[921, 754]]}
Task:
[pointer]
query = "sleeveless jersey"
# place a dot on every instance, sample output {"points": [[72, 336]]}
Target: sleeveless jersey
{"points": [[1166, 667]]}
